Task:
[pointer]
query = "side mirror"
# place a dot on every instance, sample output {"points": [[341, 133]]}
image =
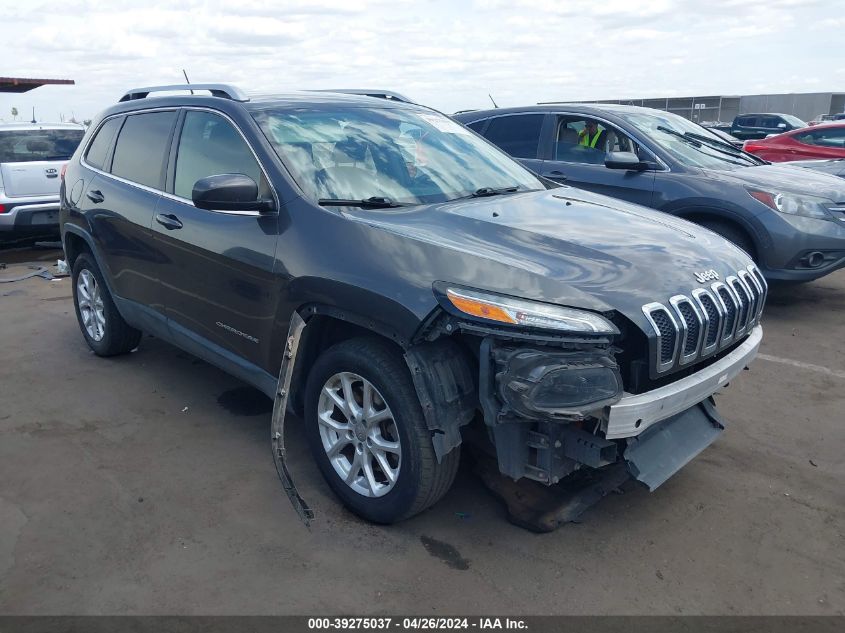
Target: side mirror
{"points": [[229, 192], [781, 126], [624, 160]]}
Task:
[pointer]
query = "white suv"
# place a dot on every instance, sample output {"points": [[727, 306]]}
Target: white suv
{"points": [[32, 156]]}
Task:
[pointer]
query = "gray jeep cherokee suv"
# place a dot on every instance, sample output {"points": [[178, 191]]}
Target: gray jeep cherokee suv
{"points": [[400, 282]]}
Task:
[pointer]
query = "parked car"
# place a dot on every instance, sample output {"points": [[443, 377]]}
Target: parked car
{"points": [[835, 167], [754, 126], [790, 221], [32, 156], [393, 297], [825, 141], [827, 118]]}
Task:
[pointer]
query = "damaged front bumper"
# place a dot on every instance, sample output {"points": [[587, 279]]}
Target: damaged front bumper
{"points": [[654, 433]]}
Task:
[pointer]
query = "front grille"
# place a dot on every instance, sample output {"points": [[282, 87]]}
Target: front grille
{"points": [[668, 334], [729, 304], [713, 318], [710, 320], [693, 327]]}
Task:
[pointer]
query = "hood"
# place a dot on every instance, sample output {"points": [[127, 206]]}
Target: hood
{"points": [[784, 177], [834, 167], [564, 246]]}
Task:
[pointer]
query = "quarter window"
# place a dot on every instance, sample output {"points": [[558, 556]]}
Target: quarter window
{"points": [[209, 146], [99, 148], [518, 134], [141, 148]]}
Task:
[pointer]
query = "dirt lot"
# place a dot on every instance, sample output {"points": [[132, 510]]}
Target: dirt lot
{"points": [[144, 484]]}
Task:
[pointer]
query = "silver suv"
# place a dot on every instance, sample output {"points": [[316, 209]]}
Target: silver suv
{"points": [[32, 156]]}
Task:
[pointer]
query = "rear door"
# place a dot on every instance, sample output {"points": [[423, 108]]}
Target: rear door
{"points": [[219, 280], [517, 134], [120, 201], [31, 160], [570, 162]]}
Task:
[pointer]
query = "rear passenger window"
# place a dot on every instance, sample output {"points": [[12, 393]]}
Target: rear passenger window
{"points": [[99, 148], [518, 135], [209, 146], [141, 148]]}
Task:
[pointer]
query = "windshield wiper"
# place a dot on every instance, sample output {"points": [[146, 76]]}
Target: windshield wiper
{"points": [[720, 145], [373, 202], [696, 143], [484, 192], [681, 136]]}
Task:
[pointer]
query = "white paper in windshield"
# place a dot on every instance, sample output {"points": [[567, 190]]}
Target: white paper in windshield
{"points": [[444, 124]]}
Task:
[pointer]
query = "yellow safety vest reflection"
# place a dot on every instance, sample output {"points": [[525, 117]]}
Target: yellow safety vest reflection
{"points": [[587, 141]]}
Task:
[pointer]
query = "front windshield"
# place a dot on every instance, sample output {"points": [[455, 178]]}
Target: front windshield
{"points": [[794, 121], [405, 155], [685, 152]]}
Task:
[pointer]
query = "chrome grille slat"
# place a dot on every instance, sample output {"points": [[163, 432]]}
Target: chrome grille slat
{"points": [[713, 319], [741, 295], [707, 321]]}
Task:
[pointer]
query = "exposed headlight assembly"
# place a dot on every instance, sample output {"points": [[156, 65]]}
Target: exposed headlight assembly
{"points": [[543, 383], [794, 204], [520, 312]]}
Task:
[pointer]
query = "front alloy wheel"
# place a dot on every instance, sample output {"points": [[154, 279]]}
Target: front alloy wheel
{"points": [[359, 434], [368, 435]]}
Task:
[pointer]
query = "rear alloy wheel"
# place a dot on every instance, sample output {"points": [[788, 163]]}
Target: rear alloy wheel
{"points": [[103, 327], [367, 432], [90, 303]]}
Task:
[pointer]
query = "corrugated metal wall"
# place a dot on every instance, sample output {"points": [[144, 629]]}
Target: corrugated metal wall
{"points": [[805, 106]]}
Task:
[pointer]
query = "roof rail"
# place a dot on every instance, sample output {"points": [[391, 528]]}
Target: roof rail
{"points": [[224, 91], [381, 94]]}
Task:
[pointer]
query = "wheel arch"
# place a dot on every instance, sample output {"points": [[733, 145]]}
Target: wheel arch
{"points": [[442, 370], [701, 215]]}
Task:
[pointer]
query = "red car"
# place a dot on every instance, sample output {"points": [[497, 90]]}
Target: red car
{"points": [[826, 140]]}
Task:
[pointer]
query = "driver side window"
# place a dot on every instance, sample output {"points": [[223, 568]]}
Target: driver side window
{"points": [[579, 139], [209, 146]]}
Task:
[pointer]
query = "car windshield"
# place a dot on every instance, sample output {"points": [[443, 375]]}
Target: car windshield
{"points": [[659, 127], [25, 146], [403, 155], [794, 121]]}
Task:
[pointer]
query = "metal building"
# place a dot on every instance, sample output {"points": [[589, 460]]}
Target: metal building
{"points": [[806, 106]]}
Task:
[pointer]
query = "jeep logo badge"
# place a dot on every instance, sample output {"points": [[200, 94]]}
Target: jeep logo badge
{"points": [[707, 275]]}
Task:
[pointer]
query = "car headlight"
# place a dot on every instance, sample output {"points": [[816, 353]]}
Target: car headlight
{"points": [[794, 204], [520, 312]]}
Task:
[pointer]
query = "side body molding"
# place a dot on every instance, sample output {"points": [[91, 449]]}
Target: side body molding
{"points": [[277, 421]]}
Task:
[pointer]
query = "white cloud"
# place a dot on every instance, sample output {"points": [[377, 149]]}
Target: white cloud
{"points": [[446, 54]]}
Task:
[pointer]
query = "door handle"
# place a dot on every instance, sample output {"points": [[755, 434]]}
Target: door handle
{"points": [[169, 221], [95, 196], [554, 175]]}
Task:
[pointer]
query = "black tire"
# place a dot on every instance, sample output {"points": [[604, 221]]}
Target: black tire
{"points": [[118, 336], [733, 234], [421, 480]]}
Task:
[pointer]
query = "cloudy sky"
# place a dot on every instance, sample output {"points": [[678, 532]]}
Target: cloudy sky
{"points": [[449, 55]]}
